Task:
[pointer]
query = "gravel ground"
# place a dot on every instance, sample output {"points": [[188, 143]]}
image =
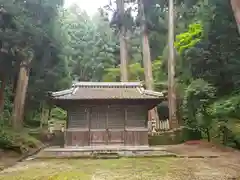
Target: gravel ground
{"points": [[225, 167], [120, 169]]}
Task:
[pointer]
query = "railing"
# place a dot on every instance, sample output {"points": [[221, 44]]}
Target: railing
{"points": [[163, 125], [158, 126]]}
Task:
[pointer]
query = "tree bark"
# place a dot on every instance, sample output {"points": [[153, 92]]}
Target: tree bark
{"points": [[172, 102], [20, 95], [123, 43], [49, 113], [3, 85], [147, 63], [208, 135], [225, 135], [42, 122], [236, 10]]}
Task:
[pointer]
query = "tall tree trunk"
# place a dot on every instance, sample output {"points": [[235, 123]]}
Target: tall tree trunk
{"points": [[20, 95], [123, 43], [42, 120], [172, 102], [147, 63], [236, 10], [2, 88]]}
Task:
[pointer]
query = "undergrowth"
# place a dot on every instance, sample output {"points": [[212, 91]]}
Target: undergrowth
{"points": [[20, 142]]}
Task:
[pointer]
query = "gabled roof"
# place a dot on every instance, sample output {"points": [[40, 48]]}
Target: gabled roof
{"points": [[106, 90]]}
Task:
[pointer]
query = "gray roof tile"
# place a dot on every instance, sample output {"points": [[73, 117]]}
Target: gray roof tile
{"points": [[106, 90]]}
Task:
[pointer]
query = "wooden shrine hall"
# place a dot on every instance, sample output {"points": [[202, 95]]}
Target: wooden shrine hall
{"points": [[106, 113]]}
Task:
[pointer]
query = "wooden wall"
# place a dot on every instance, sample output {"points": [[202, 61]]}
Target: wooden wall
{"points": [[109, 124]]}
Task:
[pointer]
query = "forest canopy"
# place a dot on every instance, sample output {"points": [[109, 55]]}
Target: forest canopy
{"points": [[47, 47]]}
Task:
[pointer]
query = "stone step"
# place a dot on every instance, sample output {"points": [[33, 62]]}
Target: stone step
{"points": [[100, 154], [106, 155]]}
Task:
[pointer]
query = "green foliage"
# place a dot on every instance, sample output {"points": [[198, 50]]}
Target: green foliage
{"points": [[136, 73], [209, 50], [228, 107], [198, 96], [91, 44], [111, 75], [159, 75], [190, 38], [58, 114], [19, 142]]}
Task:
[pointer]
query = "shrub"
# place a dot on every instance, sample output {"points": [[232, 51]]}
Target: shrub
{"points": [[19, 142]]}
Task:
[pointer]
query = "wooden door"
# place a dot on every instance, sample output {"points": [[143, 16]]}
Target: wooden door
{"points": [[98, 127], [115, 125]]}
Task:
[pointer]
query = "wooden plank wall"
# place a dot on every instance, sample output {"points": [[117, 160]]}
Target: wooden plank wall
{"points": [[113, 124], [77, 118], [136, 117], [136, 129]]}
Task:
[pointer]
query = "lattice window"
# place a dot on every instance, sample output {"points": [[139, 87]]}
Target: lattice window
{"points": [[136, 116], [98, 118], [77, 118], [116, 116]]}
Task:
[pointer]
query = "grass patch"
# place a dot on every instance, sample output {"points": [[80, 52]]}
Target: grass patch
{"points": [[114, 169]]}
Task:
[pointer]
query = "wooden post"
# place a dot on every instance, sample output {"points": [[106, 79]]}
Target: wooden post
{"points": [[107, 123], [89, 125], [171, 68], [125, 122]]}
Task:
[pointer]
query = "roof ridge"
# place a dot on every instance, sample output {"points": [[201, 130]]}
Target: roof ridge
{"points": [[108, 84], [153, 93], [63, 92]]}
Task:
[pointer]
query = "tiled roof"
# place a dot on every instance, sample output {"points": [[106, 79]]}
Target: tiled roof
{"points": [[106, 90]]}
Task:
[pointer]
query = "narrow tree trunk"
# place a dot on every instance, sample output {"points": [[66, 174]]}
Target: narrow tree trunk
{"points": [[20, 95], [236, 10], [42, 116], [147, 63], [123, 44], [49, 113], [3, 85], [225, 135], [208, 135], [172, 103]]}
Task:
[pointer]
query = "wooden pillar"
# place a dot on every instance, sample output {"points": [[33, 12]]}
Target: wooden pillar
{"points": [[125, 122], [89, 125], [107, 124], [66, 129]]}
